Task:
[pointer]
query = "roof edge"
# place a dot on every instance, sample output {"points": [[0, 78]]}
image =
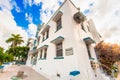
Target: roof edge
{"points": [[59, 9]]}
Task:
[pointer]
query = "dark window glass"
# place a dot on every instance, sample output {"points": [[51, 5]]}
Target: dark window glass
{"points": [[41, 54], [59, 24], [47, 34], [83, 27], [38, 40], [45, 53], [59, 51], [89, 54], [43, 37]]}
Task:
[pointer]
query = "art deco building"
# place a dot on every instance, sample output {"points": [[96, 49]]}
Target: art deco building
{"points": [[64, 47]]}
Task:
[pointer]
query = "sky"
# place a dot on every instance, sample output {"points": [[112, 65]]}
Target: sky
{"points": [[23, 16]]}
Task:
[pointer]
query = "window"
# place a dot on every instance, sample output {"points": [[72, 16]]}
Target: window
{"points": [[57, 18], [38, 39], [59, 24], [88, 50], [45, 53], [41, 54], [88, 28], [83, 28], [47, 34], [59, 51]]}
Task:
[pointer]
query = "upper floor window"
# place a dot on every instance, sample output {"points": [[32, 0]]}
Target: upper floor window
{"points": [[38, 38], [43, 37], [41, 54], [58, 20], [83, 27], [45, 32], [59, 24], [45, 53]]}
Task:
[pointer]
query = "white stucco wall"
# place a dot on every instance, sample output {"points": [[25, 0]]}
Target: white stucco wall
{"points": [[73, 38]]}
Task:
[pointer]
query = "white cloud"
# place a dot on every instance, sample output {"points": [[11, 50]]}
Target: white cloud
{"points": [[5, 4], [29, 17], [7, 24], [9, 5], [106, 16], [15, 6], [32, 28], [48, 8], [27, 3]]}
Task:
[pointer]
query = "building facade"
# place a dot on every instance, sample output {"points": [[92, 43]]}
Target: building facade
{"points": [[64, 47]]}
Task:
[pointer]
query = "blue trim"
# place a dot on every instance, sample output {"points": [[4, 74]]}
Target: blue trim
{"points": [[74, 73], [89, 38], [60, 57], [92, 58], [60, 37]]}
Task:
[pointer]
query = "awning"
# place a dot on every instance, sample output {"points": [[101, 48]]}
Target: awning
{"points": [[43, 47], [57, 40], [88, 40]]}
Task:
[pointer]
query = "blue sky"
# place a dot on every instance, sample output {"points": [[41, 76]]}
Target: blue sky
{"points": [[23, 16], [28, 11], [27, 14]]}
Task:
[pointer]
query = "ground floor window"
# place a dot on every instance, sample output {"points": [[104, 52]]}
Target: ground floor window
{"points": [[41, 54], [45, 53], [88, 50], [59, 50]]}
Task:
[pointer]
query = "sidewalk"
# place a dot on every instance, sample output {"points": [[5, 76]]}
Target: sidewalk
{"points": [[29, 73]]}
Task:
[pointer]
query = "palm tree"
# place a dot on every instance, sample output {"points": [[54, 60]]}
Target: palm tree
{"points": [[15, 40]]}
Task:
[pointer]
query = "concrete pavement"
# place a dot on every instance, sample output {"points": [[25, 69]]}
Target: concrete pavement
{"points": [[29, 73]]}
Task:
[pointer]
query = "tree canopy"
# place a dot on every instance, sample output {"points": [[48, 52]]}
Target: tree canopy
{"points": [[15, 39], [108, 54], [19, 51], [4, 57]]}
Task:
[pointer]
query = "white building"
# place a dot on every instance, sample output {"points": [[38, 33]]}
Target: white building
{"points": [[64, 47]]}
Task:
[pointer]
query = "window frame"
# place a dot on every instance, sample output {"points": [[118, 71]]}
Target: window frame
{"points": [[59, 52], [59, 24], [47, 34], [45, 53], [41, 51]]}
